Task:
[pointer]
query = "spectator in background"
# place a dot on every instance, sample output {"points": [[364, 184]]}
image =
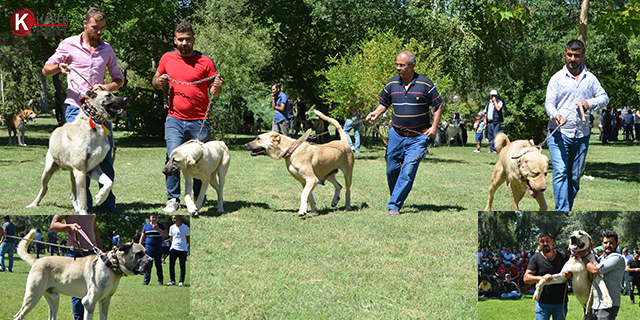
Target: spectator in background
{"points": [[7, 244], [625, 276], [627, 121], [115, 239], [484, 288], [478, 127], [636, 120], [511, 289], [38, 245], [348, 126], [605, 121], [180, 237], [516, 275], [136, 237], [493, 120], [279, 104], [502, 270], [498, 287], [290, 117], [153, 234], [52, 237], [633, 267], [301, 114]]}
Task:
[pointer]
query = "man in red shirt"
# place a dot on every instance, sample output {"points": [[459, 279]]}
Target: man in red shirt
{"points": [[188, 101]]}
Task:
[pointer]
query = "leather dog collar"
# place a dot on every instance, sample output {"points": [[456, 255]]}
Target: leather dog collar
{"points": [[94, 117], [112, 265]]}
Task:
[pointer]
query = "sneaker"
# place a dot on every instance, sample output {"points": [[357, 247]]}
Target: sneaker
{"points": [[633, 302], [172, 283], [394, 212], [476, 150], [144, 283], [181, 284], [172, 205], [2, 269]]}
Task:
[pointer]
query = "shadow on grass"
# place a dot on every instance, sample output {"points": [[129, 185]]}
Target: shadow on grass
{"points": [[431, 207], [210, 210], [628, 172]]}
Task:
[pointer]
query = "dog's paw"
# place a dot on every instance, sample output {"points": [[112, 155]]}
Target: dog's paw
{"points": [[536, 295], [608, 302], [302, 213], [335, 202], [32, 205]]}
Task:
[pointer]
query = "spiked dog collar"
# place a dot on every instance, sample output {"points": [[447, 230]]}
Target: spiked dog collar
{"points": [[113, 262], [94, 117]]}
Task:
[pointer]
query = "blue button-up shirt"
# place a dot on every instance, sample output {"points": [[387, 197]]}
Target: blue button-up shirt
{"points": [[563, 94]]}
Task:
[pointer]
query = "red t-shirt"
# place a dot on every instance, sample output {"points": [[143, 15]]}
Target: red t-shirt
{"points": [[503, 271], [187, 102]]}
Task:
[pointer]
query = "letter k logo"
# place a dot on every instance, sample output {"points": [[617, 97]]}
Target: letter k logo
{"points": [[22, 21]]}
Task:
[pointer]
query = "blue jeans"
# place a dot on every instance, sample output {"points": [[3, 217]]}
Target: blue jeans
{"points": [[403, 157], [510, 295], [156, 254], [348, 125], [544, 311], [106, 165], [177, 132], [8, 249], [492, 131], [568, 159], [76, 303]]}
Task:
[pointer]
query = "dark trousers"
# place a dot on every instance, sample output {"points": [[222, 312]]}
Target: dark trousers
{"points": [[634, 283], [182, 256], [155, 252], [492, 131]]}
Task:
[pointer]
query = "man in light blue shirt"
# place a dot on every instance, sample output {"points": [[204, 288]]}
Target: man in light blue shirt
{"points": [[280, 105], [611, 267], [571, 88]]}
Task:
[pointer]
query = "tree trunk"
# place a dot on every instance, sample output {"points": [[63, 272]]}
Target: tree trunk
{"points": [[584, 17]]}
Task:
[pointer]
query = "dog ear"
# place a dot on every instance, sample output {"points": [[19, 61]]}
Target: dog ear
{"points": [[91, 94], [189, 161], [275, 138], [125, 247]]}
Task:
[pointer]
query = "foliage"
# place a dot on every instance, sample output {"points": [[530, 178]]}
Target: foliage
{"points": [[354, 82], [145, 115]]}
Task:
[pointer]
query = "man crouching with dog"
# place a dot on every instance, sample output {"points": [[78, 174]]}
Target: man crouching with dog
{"points": [[411, 96], [188, 100], [88, 57]]}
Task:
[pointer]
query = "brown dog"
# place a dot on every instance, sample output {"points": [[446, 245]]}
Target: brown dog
{"points": [[309, 163], [17, 125], [523, 166]]}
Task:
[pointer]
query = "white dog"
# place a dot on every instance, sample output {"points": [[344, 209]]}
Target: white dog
{"points": [[202, 161], [452, 131], [580, 241]]}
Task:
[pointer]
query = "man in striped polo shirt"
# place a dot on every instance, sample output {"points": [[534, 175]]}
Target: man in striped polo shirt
{"points": [[153, 234], [411, 96]]}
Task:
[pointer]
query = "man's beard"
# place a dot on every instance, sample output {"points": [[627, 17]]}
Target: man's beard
{"points": [[185, 50], [546, 249]]}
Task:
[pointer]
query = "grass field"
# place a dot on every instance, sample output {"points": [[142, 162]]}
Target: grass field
{"points": [[497, 309], [132, 300], [259, 260]]}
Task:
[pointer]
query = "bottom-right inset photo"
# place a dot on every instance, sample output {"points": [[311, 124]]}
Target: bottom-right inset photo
{"points": [[558, 265]]}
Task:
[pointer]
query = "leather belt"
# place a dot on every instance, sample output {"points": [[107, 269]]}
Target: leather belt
{"points": [[409, 134]]}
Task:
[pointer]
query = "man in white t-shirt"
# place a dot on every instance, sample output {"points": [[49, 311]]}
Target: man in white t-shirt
{"points": [[180, 237]]}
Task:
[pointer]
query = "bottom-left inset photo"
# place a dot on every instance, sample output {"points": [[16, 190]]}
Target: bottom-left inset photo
{"points": [[83, 266]]}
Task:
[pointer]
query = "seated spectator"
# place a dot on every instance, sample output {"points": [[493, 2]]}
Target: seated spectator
{"points": [[488, 270], [529, 288], [511, 289], [502, 270], [484, 288], [498, 287], [515, 273]]}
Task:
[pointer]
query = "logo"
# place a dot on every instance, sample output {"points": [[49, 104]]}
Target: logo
{"points": [[22, 21]]}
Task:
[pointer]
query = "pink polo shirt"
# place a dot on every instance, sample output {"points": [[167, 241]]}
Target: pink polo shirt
{"points": [[92, 66]]}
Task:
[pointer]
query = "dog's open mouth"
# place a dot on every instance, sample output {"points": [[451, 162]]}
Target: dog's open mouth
{"points": [[115, 111], [258, 151], [533, 193]]}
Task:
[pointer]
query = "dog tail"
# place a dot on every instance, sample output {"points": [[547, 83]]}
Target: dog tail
{"points": [[22, 248], [501, 141], [335, 123]]}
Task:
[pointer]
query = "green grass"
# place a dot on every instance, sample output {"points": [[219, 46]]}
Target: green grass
{"points": [[259, 260], [497, 309], [132, 300]]}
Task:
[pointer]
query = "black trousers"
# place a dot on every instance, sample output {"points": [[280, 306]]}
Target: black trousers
{"points": [[633, 282], [173, 255]]}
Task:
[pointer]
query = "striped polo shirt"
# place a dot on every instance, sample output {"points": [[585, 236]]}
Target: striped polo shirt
{"points": [[153, 237], [411, 106]]}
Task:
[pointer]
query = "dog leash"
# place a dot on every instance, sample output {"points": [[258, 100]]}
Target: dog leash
{"points": [[166, 96], [48, 243]]}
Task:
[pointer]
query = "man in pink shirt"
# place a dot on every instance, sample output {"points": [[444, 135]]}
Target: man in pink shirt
{"points": [[90, 56]]}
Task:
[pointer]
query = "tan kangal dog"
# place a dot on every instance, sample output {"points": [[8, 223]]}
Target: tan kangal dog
{"points": [[88, 278], [80, 146], [523, 166], [309, 163], [581, 282], [17, 125], [208, 162]]}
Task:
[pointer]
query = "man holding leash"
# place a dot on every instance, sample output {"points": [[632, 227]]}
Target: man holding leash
{"points": [[544, 264], [89, 56], [411, 96], [7, 245], [611, 267], [188, 116], [493, 119], [72, 225], [571, 92]]}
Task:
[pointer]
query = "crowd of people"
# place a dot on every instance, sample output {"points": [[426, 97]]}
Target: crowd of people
{"points": [[613, 120]]}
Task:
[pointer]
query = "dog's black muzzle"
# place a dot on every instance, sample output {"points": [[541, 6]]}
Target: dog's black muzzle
{"points": [[114, 107], [143, 266]]}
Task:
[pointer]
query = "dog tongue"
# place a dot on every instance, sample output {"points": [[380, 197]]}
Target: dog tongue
{"points": [[532, 193]]}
